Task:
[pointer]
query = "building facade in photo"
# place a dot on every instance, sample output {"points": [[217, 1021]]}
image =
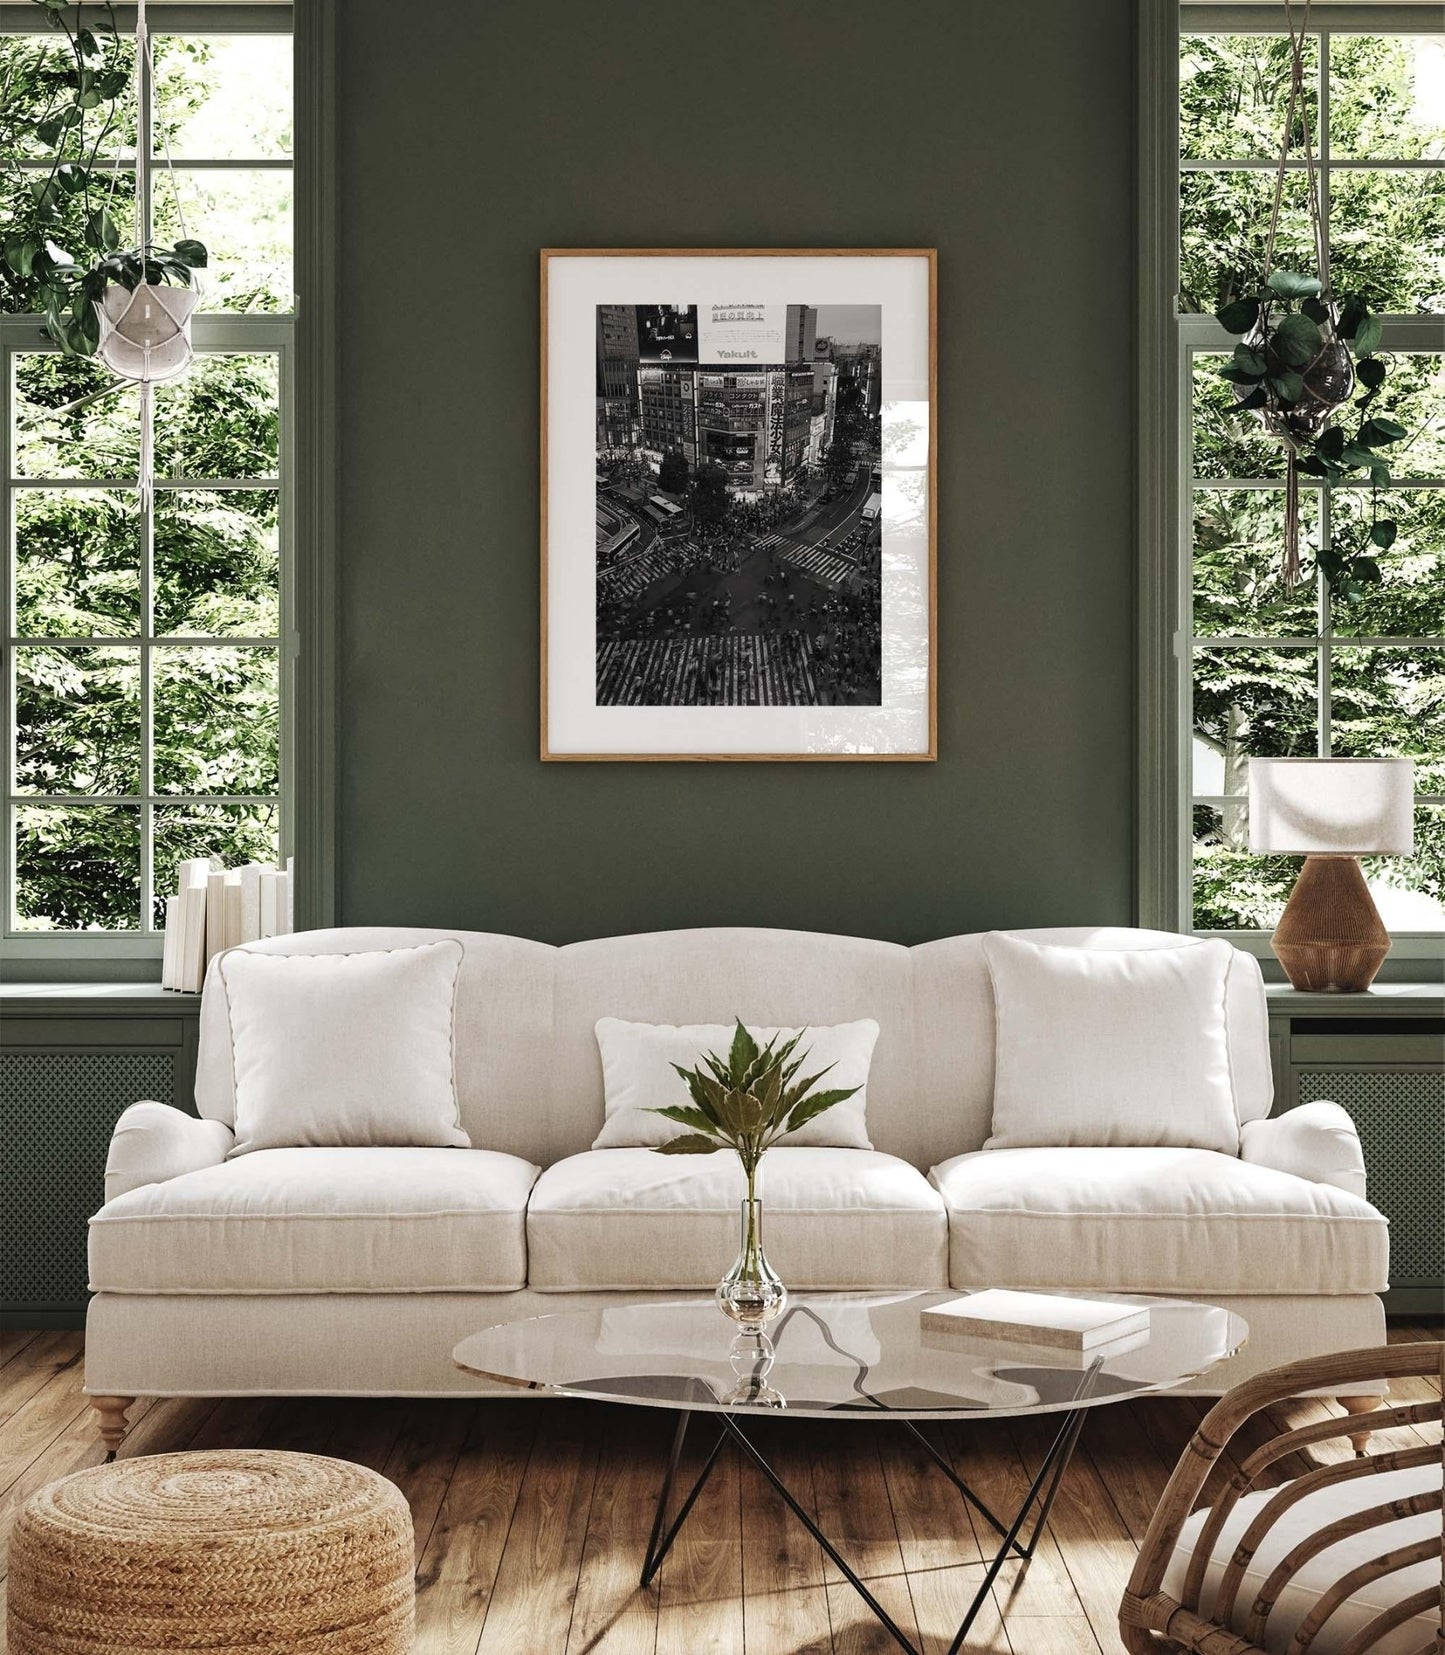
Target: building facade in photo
{"points": [[617, 391]]}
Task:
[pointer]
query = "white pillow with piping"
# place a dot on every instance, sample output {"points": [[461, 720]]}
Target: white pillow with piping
{"points": [[1105, 1046], [352, 1050], [638, 1076]]}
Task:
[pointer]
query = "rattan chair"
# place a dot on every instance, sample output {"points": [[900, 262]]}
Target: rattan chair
{"points": [[1253, 1574]]}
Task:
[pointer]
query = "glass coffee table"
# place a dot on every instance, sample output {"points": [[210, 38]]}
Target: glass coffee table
{"points": [[846, 1356]]}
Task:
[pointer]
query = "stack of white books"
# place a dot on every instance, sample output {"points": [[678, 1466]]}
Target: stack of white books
{"points": [[216, 908]]}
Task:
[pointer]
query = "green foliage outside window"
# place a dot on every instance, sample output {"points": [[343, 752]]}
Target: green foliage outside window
{"points": [[1387, 240], [202, 715]]}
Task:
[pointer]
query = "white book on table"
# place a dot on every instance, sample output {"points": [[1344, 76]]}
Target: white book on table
{"points": [[1038, 1318], [283, 904], [290, 894], [191, 933], [270, 902], [170, 947], [251, 902]]}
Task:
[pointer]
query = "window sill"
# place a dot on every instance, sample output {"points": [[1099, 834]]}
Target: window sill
{"points": [[61, 999]]}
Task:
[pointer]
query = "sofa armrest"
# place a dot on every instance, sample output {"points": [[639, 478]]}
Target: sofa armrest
{"points": [[1316, 1140], [154, 1141]]}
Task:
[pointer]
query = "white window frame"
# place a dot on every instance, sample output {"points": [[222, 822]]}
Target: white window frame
{"points": [[305, 369], [1169, 342]]}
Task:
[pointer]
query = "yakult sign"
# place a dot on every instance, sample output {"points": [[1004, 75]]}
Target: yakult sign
{"points": [[742, 333]]}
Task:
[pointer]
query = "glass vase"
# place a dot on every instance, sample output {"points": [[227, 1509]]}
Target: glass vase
{"points": [[751, 1293]]}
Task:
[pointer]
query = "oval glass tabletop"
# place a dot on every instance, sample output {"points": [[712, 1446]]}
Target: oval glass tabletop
{"points": [[841, 1353]]}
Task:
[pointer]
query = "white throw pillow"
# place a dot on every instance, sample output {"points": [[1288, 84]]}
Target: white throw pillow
{"points": [[637, 1076], [1106, 1047], [352, 1050]]}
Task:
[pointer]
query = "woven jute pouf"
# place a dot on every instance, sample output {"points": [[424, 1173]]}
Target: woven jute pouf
{"points": [[224, 1551]]}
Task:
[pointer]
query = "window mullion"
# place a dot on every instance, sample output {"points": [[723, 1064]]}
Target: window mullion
{"points": [[1324, 666]]}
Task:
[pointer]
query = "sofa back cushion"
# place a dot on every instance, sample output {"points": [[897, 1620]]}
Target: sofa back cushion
{"points": [[1101, 1046], [770, 979], [529, 1074]]}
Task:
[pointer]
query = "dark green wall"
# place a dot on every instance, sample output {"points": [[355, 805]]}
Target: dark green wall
{"points": [[1000, 133]]}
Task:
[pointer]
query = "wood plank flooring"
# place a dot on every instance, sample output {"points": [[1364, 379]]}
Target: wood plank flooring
{"points": [[532, 1516]]}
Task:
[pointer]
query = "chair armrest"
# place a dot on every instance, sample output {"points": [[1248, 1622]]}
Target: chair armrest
{"points": [[1316, 1140], [153, 1142]]}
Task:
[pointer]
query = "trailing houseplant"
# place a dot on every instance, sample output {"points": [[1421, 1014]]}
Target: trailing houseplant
{"points": [[747, 1102], [1300, 357], [71, 287], [1302, 353]]}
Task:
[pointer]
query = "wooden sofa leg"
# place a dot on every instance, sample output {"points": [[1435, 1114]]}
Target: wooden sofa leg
{"points": [[1360, 1405], [111, 1411]]}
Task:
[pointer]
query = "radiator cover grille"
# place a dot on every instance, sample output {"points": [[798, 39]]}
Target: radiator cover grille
{"points": [[1400, 1116], [56, 1114]]}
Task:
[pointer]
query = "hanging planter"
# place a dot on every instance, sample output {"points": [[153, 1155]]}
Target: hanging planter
{"points": [[145, 331], [1302, 355], [73, 289], [130, 306]]}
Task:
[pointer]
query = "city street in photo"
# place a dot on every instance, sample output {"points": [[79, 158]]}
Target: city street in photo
{"points": [[738, 505]]}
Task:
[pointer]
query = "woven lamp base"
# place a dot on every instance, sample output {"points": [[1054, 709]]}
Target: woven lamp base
{"points": [[1330, 938], [228, 1551]]}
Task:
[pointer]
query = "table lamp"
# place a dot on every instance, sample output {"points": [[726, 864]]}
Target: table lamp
{"points": [[1330, 937]]}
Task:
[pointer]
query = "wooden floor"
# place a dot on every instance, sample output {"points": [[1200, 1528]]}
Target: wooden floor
{"points": [[532, 1516]]}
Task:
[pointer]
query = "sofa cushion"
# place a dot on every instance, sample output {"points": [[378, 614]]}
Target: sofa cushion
{"points": [[347, 1050], [322, 1221], [1111, 1045], [639, 1077], [833, 1218], [1317, 1510], [1154, 1221]]}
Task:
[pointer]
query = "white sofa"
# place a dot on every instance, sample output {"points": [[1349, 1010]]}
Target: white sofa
{"points": [[355, 1271]]}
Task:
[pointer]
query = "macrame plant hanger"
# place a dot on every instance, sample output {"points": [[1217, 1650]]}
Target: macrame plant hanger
{"points": [[1290, 567], [145, 333]]}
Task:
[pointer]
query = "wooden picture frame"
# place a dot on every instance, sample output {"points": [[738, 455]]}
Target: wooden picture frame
{"points": [[649, 367]]}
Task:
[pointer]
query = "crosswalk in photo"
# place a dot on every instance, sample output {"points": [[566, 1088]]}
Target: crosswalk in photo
{"points": [[829, 567], [637, 574], [735, 669]]}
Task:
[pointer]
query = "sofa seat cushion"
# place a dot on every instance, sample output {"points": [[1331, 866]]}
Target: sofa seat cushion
{"points": [[1154, 1221], [832, 1218], [322, 1221], [1318, 1510]]}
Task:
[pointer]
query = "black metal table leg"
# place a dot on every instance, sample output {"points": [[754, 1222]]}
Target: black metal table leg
{"points": [[1041, 1494], [731, 1428], [655, 1551], [1060, 1453]]}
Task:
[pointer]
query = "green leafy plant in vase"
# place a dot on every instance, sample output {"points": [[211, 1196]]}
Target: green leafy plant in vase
{"points": [[747, 1102]]}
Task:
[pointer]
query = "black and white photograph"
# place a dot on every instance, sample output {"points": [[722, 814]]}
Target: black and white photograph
{"points": [[739, 503], [738, 528]]}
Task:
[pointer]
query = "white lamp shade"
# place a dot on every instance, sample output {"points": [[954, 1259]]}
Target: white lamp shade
{"points": [[146, 334], [1340, 807]]}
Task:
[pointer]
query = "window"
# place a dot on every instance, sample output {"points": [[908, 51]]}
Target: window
{"points": [[1265, 670], [148, 714]]}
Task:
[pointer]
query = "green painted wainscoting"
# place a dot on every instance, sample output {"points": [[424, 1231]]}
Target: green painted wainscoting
{"points": [[74, 1057]]}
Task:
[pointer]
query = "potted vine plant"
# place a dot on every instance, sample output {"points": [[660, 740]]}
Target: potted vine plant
{"points": [[1293, 368], [79, 291], [747, 1102]]}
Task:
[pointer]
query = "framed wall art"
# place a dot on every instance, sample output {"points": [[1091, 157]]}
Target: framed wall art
{"points": [[738, 504]]}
